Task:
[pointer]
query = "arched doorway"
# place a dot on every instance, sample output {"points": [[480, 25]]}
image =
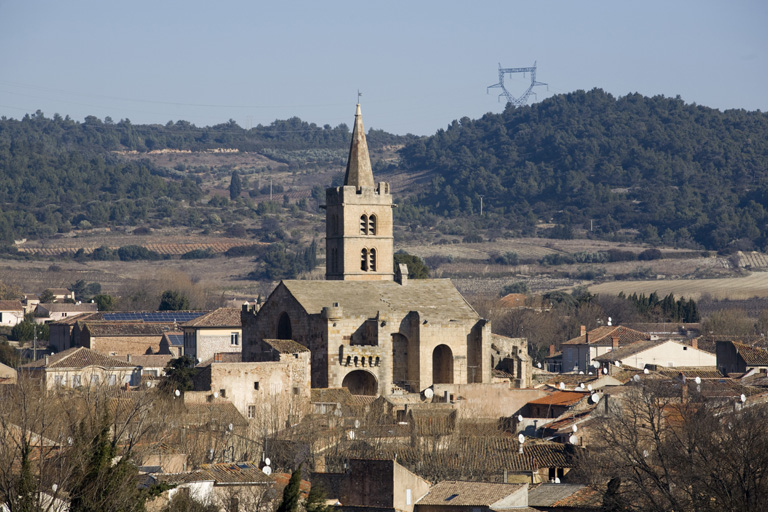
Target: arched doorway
{"points": [[284, 331], [399, 359], [360, 382], [442, 365]]}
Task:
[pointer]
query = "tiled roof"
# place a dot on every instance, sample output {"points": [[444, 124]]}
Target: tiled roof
{"points": [[751, 355], [80, 317], [65, 307], [603, 336], [628, 350], [149, 361], [286, 346], [565, 398], [11, 305], [546, 495], [183, 478], [78, 357], [586, 497], [691, 372], [467, 494], [126, 329], [59, 291], [437, 298], [544, 454], [512, 300], [222, 317], [236, 473]]}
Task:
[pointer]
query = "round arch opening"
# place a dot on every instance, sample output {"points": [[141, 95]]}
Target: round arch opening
{"points": [[442, 365], [284, 330], [360, 382]]}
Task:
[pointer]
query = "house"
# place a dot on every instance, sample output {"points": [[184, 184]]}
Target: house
{"points": [[30, 302], [658, 353], [55, 311], [7, 374], [45, 502], [554, 405], [458, 496], [172, 342], [217, 331], [579, 353], [11, 312], [150, 367], [60, 333], [120, 338], [374, 484], [80, 366], [734, 357], [62, 294]]}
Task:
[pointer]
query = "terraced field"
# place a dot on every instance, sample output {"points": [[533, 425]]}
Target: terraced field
{"points": [[747, 287]]}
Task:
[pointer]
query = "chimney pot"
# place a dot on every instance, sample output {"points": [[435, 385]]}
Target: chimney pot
{"points": [[695, 343], [583, 330], [615, 342], [552, 349]]}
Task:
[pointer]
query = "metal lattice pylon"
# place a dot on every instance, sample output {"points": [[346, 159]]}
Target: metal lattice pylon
{"points": [[504, 92]]}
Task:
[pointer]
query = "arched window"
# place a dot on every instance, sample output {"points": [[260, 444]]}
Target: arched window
{"points": [[372, 260], [284, 331], [372, 225], [335, 224], [363, 224], [364, 260]]}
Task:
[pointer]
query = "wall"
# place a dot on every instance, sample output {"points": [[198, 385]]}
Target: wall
{"points": [[11, 318], [671, 352], [122, 376], [209, 341]]}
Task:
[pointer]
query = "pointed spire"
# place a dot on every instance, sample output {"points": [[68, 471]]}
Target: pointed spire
{"points": [[359, 172]]}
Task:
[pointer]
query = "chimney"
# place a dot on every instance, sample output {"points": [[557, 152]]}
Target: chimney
{"points": [[583, 330], [401, 274], [695, 343], [217, 357], [46, 360], [551, 350], [615, 342]]}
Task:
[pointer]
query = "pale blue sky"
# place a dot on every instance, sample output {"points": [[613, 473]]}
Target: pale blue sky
{"points": [[419, 64]]}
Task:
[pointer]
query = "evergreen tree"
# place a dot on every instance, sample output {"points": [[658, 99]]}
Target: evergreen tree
{"points": [[235, 186], [316, 499], [291, 493], [173, 300]]}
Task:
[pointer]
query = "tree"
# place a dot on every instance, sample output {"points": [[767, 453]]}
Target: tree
{"points": [[291, 493], [179, 374], [105, 302], [173, 300], [26, 330], [516, 287], [235, 186], [47, 296], [417, 269], [316, 499]]}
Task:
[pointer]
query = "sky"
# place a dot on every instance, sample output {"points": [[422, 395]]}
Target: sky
{"points": [[419, 65]]}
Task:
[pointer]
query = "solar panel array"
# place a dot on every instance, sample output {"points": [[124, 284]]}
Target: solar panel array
{"points": [[154, 316], [176, 339]]}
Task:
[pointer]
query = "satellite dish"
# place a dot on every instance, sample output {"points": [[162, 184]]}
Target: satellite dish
{"points": [[575, 428], [743, 398], [646, 371], [617, 363], [230, 427], [428, 393], [519, 417], [572, 440], [581, 372], [538, 364], [557, 480], [357, 423], [521, 438], [54, 487], [636, 378], [562, 385], [590, 373], [698, 380], [589, 387], [210, 454], [605, 371], [337, 412], [351, 435], [267, 470], [595, 398], [267, 461], [177, 393], [610, 321], [215, 394]]}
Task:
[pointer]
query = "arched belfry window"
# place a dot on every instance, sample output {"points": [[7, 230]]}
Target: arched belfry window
{"points": [[372, 225], [363, 224], [364, 260], [335, 224], [372, 260]]}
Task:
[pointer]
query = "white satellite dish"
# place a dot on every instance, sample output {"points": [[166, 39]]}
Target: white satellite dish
{"points": [[581, 372], [605, 371], [177, 393], [646, 371], [519, 417], [357, 423], [590, 373], [589, 387], [575, 428], [636, 378], [557, 480], [610, 321], [698, 380], [562, 385], [617, 363], [743, 398], [267, 470], [230, 427], [216, 394], [572, 440], [595, 398], [267, 461], [538, 364], [351, 435], [521, 438], [54, 487], [428, 393]]}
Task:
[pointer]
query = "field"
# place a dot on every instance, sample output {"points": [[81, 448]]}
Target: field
{"points": [[735, 288]]}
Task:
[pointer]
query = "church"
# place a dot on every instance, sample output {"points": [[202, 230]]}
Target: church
{"points": [[367, 326]]}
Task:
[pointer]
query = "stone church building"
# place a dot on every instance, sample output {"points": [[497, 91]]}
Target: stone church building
{"points": [[368, 327]]}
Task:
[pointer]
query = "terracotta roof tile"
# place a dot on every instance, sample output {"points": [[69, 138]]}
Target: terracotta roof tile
{"points": [[65, 307], [603, 336], [546, 495], [98, 329], [628, 350], [468, 494], [11, 305], [236, 473], [78, 357], [751, 355], [222, 317], [561, 398]]}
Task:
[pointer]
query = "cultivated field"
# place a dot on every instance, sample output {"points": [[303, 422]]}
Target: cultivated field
{"points": [[737, 288]]}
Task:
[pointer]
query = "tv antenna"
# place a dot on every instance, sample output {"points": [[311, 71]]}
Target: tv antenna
{"points": [[523, 99]]}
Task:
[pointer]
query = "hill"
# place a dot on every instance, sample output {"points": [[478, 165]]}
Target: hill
{"points": [[651, 169]]}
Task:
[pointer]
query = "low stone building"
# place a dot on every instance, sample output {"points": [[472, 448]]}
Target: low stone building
{"points": [[652, 353], [80, 366], [55, 311], [217, 331], [457, 496], [579, 353], [735, 357]]}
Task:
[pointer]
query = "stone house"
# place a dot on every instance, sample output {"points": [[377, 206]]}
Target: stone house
{"points": [[11, 312], [369, 328], [652, 353], [80, 366], [55, 311], [373, 484], [554, 405], [459, 496], [217, 331], [579, 353], [61, 331], [735, 357]]}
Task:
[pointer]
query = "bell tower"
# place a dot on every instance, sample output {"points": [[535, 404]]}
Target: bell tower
{"points": [[358, 220]]}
